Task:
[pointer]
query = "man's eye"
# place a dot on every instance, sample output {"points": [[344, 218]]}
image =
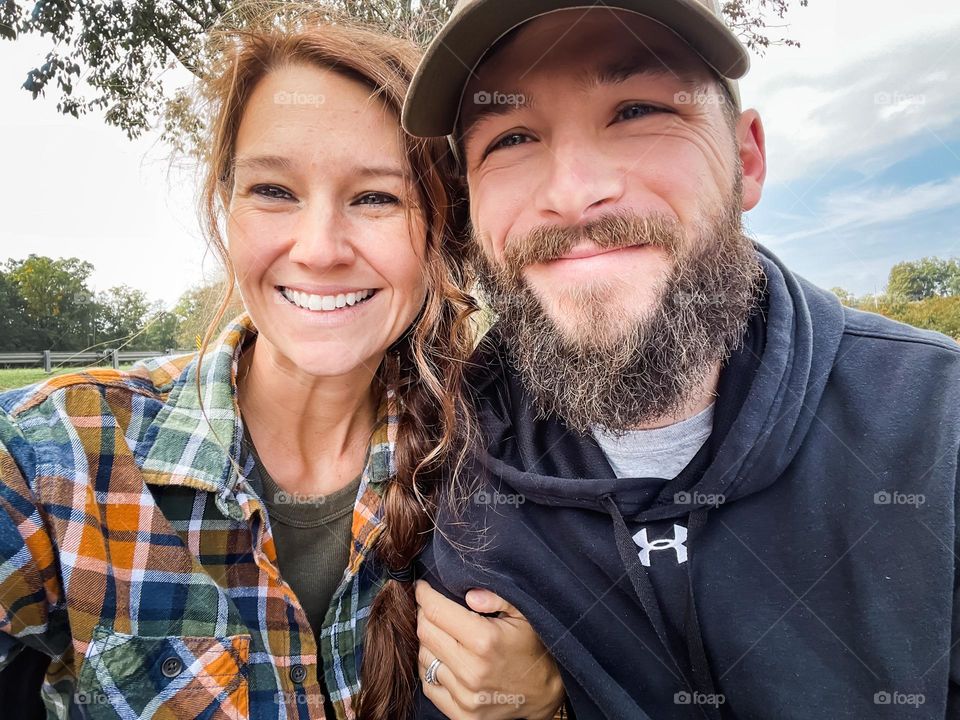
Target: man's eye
{"points": [[635, 110], [511, 140], [272, 192], [376, 198]]}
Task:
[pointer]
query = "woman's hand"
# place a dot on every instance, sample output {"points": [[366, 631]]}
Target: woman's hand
{"points": [[491, 668]]}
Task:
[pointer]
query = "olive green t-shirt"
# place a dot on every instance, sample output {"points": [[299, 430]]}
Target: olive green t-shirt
{"points": [[312, 538]]}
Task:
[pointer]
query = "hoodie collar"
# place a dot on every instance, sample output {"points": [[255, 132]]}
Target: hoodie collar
{"points": [[803, 328]]}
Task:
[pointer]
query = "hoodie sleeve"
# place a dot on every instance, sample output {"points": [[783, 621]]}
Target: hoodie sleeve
{"points": [[29, 581], [423, 709], [953, 691]]}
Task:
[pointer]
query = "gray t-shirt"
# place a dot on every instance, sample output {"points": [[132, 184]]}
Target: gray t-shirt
{"points": [[659, 453]]}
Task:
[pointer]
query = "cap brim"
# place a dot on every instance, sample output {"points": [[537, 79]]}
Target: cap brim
{"points": [[433, 100]]}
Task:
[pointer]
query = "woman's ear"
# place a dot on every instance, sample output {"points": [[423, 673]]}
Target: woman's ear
{"points": [[753, 157]]}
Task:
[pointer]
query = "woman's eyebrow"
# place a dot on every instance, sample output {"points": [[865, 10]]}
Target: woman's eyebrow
{"points": [[278, 162], [264, 162], [380, 171]]}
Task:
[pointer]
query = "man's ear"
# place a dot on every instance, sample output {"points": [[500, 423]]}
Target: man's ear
{"points": [[753, 156]]}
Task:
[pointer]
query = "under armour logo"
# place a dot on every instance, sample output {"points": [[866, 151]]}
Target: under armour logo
{"points": [[677, 543]]}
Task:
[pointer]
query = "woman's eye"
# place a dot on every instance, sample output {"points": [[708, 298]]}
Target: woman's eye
{"points": [[376, 198], [271, 191], [635, 110]]}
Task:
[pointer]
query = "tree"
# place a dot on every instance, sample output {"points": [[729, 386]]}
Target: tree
{"points": [[123, 49], [121, 315], [56, 301], [161, 331], [749, 20], [934, 313], [925, 278], [924, 293], [844, 296], [15, 332], [197, 308]]}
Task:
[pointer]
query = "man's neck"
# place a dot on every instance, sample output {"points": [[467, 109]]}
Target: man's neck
{"points": [[699, 400]]}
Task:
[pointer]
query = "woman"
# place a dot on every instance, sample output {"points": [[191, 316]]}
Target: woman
{"points": [[205, 535]]}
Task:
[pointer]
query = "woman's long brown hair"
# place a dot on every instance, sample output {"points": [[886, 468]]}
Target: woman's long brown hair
{"points": [[427, 361]]}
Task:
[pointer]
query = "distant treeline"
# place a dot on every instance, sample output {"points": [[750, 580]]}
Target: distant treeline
{"points": [[46, 304], [924, 293]]}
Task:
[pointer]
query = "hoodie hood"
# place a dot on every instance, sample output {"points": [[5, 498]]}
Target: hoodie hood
{"points": [[648, 601], [803, 328]]}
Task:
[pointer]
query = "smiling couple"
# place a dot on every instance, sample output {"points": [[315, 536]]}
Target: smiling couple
{"points": [[670, 482]]}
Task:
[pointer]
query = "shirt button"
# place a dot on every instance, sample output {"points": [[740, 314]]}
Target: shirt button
{"points": [[171, 667], [298, 673]]}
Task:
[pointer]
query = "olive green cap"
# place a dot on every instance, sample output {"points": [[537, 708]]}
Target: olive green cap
{"points": [[433, 102]]}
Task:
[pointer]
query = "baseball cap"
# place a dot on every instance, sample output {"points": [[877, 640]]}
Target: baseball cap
{"points": [[432, 105]]}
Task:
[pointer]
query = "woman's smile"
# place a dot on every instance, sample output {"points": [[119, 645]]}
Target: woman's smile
{"points": [[328, 310], [328, 301]]}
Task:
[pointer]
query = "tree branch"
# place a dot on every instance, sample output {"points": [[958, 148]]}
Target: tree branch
{"points": [[173, 50], [189, 13]]}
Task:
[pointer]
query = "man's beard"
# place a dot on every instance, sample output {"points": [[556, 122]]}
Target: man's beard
{"points": [[618, 371]]}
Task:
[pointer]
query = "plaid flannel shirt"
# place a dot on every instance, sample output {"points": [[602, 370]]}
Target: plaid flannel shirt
{"points": [[135, 555]]}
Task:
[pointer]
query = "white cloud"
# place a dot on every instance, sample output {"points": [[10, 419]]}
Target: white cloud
{"points": [[863, 208], [865, 78]]}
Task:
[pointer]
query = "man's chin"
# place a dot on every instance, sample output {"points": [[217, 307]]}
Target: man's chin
{"points": [[597, 319], [596, 327]]}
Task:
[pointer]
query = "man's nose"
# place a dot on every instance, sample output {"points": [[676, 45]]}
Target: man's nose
{"points": [[581, 182]]}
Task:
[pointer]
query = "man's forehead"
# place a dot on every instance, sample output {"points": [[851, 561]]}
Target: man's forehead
{"points": [[544, 46]]}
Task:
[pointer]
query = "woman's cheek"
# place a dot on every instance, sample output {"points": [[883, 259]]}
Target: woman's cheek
{"points": [[415, 281]]}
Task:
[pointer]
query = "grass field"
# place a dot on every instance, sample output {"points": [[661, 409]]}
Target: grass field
{"points": [[18, 377]]}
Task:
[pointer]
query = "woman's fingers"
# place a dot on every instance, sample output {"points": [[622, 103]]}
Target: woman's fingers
{"points": [[487, 601], [491, 668], [442, 700], [450, 697], [471, 630], [440, 643], [445, 678]]}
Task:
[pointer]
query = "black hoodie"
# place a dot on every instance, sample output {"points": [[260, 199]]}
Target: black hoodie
{"points": [[804, 565]]}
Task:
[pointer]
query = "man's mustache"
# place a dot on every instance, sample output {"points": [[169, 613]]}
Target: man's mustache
{"points": [[608, 232]]}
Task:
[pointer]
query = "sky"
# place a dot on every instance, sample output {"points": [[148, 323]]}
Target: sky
{"points": [[862, 127]]}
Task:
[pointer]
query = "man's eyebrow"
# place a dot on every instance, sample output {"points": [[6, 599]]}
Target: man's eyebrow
{"points": [[495, 109], [651, 64]]}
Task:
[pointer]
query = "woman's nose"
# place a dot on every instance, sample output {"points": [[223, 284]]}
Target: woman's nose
{"points": [[321, 239]]}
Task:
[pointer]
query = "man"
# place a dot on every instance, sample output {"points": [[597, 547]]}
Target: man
{"points": [[712, 490]]}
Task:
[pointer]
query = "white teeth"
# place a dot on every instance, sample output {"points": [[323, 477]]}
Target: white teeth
{"points": [[324, 303]]}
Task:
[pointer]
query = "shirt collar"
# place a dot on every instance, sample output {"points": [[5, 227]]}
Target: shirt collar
{"points": [[201, 447], [193, 443]]}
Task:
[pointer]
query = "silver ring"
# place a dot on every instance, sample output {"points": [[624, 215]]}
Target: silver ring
{"points": [[431, 674]]}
